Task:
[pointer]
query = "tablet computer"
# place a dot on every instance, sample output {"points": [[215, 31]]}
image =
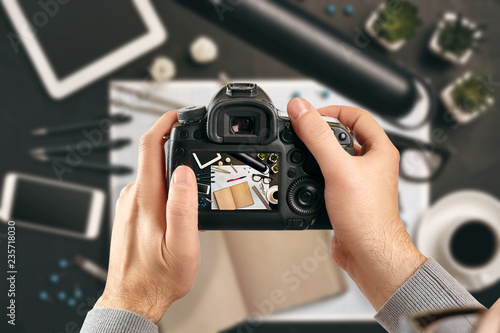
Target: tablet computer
{"points": [[73, 42]]}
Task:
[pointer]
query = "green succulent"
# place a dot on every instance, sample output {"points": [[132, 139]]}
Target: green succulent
{"points": [[400, 23], [457, 38], [473, 94]]}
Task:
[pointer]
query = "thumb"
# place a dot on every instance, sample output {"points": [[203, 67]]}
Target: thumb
{"points": [[182, 213], [315, 133]]}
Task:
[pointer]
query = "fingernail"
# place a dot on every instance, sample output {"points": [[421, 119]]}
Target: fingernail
{"points": [[298, 106], [183, 176]]}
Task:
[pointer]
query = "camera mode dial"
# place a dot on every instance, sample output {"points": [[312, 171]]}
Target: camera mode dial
{"points": [[191, 114]]}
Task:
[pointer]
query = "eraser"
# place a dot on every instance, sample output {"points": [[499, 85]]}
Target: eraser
{"points": [[203, 50]]}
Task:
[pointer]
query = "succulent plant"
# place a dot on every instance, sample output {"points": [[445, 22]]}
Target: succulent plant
{"points": [[398, 24], [472, 94], [457, 37]]}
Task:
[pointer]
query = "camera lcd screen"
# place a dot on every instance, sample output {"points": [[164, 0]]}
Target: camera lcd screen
{"points": [[237, 180], [51, 206]]}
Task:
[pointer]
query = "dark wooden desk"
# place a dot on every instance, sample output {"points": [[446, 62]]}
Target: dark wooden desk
{"points": [[25, 106]]}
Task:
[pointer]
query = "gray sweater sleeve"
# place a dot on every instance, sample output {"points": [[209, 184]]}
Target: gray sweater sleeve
{"points": [[108, 320], [430, 288]]}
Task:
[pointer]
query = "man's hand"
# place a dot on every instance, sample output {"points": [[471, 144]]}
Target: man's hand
{"points": [[361, 194], [155, 251]]}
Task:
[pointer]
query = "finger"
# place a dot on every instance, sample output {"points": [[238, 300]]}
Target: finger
{"points": [[357, 150], [315, 132], [151, 172], [182, 213], [367, 130]]}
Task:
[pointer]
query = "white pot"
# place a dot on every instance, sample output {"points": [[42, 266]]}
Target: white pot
{"points": [[436, 48], [369, 27], [459, 114]]}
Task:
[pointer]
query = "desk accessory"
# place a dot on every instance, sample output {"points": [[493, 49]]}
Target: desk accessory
{"points": [[62, 149], [118, 118], [343, 63], [93, 166], [75, 44], [462, 232]]}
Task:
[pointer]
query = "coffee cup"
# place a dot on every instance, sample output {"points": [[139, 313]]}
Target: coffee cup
{"points": [[462, 232], [471, 251]]}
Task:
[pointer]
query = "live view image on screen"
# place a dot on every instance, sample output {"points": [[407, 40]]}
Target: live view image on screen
{"points": [[229, 181]]}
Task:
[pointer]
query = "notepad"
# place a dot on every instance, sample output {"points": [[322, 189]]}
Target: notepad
{"points": [[234, 197]]}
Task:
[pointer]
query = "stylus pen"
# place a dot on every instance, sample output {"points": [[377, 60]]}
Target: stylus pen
{"points": [[94, 166], [251, 161], [62, 149], [91, 267], [232, 180], [145, 94], [104, 122]]}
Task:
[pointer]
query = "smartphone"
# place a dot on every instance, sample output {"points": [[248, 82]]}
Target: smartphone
{"points": [[49, 205], [203, 188]]}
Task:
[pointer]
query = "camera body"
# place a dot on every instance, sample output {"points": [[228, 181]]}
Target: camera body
{"points": [[252, 170]]}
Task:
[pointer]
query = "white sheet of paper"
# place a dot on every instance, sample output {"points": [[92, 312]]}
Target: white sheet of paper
{"points": [[242, 170]]}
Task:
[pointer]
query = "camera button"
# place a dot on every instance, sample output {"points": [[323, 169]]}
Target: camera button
{"points": [[306, 197], [296, 156], [180, 152], [342, 136], [183, 134], [197, 134], [291, 173], [294, 223], [287, 136]]}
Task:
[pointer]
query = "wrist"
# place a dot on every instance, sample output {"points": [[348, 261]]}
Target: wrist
{"points": [[152, 312], [380, 269]]}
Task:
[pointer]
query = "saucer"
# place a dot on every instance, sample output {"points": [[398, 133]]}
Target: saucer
{"points": [[466, 205]]}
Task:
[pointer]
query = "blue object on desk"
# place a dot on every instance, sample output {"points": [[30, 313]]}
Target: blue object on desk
{"points": [[61, 295], [71, 302], [330, 9], [349, 10], [54, 278], [78, 293], [43, 295], [63, 263], [325, 94], [296, 94]]}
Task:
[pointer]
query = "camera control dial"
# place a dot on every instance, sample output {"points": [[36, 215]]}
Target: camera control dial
{"points": [[191, 114], [305, 196]]}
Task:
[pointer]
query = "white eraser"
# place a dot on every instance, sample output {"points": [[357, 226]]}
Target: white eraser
{"points": [[203, 50]]}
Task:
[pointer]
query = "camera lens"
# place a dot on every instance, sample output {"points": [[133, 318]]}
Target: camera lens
{"points": [[242, 125]]}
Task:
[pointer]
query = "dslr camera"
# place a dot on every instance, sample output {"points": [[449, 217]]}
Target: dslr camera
{"points": [[252, 170]]}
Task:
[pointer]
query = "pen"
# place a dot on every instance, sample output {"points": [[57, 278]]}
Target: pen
{"points": [[230, 180], [106, 144], [148, 96], [94, 166], [114, 119], [91, 267]]}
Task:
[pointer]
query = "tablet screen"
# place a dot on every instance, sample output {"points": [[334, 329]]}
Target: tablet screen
{"points": [[79, 32]]}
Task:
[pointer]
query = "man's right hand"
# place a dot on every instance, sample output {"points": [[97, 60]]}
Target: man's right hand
{"points": [[361, 192]]}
